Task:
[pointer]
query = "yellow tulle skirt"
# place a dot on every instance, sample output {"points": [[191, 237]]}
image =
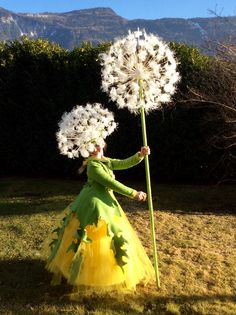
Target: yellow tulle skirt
{"points": [[93, 266]]}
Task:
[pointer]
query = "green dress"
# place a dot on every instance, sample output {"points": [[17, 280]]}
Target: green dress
{"points": [[95, 246]]}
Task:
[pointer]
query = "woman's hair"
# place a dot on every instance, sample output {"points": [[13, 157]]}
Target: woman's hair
{"points": [[83, 166], [105, 147]]}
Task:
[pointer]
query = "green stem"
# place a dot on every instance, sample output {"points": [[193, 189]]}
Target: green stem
{"points": [[149, 189]]}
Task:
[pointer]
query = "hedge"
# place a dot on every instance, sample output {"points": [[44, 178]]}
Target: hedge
{"points": [[40, 80]]}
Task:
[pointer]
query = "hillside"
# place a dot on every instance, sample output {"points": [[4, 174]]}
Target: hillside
{"points": [[69, 29]]}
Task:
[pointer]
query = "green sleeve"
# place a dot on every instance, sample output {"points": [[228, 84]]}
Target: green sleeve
{"points": [[97, 173], [126, 163]]}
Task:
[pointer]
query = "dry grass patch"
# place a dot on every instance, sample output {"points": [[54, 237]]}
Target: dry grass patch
{"points": [[196, 247]]}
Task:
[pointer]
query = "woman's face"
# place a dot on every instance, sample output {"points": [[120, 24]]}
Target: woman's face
{"points": [[99, 149]]}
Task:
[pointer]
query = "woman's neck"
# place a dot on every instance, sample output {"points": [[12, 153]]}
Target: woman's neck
{"points": [[97, 155]]}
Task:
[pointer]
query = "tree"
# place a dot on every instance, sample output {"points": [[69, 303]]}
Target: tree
{"points": [[215, 91]]}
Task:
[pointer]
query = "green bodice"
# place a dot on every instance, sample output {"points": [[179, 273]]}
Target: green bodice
{"points": [[96, 200]]}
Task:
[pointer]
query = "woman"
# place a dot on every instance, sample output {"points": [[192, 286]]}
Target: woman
{"points": [[95, 247]]}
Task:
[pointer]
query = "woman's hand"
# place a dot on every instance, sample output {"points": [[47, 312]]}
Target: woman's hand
{"points": [[140, 196], [144, 151]]}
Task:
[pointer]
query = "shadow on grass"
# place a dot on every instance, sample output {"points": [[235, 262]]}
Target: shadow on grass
{"points": [[188, 199], [26, 283], [28, 196], [195, 199], [32, 206]]}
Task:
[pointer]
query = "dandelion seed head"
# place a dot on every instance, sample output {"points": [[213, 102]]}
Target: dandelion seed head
{"points": [[139, 57], [84, 127]]}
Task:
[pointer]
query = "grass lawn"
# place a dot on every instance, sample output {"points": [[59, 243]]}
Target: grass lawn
{"points": [[195, 228]]}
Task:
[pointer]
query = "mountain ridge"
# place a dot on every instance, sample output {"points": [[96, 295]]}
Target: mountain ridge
{"points": [[96, 25]]}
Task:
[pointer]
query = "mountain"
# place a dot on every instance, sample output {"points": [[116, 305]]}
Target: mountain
{"points": [[69, 29]]}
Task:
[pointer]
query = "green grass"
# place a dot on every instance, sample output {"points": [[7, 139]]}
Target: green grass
{"points": [[195, 228]]}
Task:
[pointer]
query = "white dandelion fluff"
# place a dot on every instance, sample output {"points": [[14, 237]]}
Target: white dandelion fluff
{"points": [[139, 58], [83, 128]]}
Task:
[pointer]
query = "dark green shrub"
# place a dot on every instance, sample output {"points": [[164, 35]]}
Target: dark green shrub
{"points": [[40, 80]]}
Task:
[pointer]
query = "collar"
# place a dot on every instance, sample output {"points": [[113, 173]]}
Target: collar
{"points": [[94, 158]]}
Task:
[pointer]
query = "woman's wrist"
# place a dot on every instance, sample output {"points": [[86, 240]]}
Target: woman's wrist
{"points": [[134, 193], [145, 150], [139, 155]]}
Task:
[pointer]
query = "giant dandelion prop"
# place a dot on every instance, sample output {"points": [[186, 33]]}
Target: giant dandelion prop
{"points": [[83, 128], [139, 73]]}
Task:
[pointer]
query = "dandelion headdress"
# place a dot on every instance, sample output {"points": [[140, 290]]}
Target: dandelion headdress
{"points": [[83, 128], [139, 57]]}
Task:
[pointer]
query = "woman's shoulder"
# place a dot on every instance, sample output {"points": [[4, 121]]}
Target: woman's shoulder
{"points": [[98, 165], [97, 161]]}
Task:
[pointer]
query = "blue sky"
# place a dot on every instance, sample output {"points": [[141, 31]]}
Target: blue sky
{"points": [[130, 9]]}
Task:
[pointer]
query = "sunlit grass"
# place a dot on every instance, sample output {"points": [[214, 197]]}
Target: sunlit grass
{"points": [[195, 228]]}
